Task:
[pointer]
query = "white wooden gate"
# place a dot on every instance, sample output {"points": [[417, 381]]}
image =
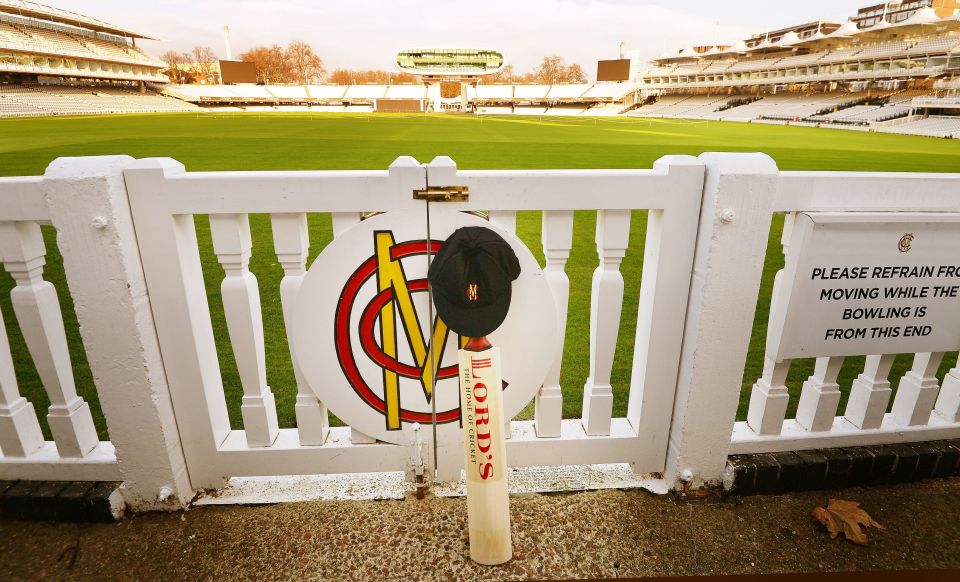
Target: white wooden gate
{"points": [[164, 200]]}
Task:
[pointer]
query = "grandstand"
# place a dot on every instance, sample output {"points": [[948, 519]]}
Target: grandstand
{"points": [[56, 62], [485, 99], [889, 68], [894, 67]]}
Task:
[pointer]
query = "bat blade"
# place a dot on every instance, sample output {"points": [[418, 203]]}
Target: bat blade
{"points": [[488, 502]]}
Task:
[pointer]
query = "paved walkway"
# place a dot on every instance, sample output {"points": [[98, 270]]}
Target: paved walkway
{"points": [[601, 534]]}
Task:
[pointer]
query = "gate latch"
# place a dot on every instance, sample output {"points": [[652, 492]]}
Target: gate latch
{"points": [[443, 194]]}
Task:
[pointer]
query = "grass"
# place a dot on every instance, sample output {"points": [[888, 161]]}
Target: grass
{"points": [[295, 142]]}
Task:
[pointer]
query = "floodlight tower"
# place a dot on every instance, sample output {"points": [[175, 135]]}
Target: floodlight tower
{"points": [[438, 66], [226, 42]]}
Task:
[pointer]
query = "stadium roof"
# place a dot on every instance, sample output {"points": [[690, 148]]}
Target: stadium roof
{"points": [[50, 13]]}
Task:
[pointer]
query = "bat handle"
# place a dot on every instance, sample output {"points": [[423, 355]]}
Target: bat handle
{"points": [[477, 344]]}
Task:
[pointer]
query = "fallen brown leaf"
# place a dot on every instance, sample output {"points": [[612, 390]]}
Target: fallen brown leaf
{"points": [[847, 517]]}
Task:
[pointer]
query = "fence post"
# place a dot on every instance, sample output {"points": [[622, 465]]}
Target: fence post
{"points": [[735, 221], [88, 204], [948, 402]]}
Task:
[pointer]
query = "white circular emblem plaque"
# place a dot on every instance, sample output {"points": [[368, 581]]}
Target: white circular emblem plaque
{"points": [[361, 332]]}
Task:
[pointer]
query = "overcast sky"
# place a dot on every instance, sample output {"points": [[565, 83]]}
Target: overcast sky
{"points": [[366, 34]]}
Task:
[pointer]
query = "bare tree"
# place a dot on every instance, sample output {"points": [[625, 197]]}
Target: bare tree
{"points": [[205, 63], [341, 77], [351, 77], [176, 66], [551, 70], [575, 74], [504, 75], [554, 70], [304, 63], [271, 64]]}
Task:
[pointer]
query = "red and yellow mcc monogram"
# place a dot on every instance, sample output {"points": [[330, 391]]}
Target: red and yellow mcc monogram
{"points": [[472, 292], [392, 310]]}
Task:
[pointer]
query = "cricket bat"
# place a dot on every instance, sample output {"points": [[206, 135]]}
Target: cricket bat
{"points": [[481, 409]]}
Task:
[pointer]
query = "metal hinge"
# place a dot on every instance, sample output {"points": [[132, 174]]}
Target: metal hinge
{"points": [[443, 194]]}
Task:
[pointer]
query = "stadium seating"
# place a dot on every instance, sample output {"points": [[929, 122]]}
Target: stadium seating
{"points": [[366, 92], [716, 67], [328, 108], [54, 39], [523, 110], [874, 114], [566, 92], [494, 92], [603, 110], [287, 92], [802, 60], [935, 45], [566, 110], [609, 91], [257, 92], [330, 92], [753, 65], [885, 49], [494, 110], [197, 93], [538, 92], [406, 92], [933, 126], [38, 100], [696, 106]]}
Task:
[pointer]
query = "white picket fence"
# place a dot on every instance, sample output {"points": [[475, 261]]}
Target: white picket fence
{"points": [[126, 231], [922, 410]]}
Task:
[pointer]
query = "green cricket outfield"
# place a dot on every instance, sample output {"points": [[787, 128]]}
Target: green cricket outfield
{"points": [[341, 141]]}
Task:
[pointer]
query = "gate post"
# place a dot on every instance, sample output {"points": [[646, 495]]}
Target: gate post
{"points": [[89, 207], [735, 222]]}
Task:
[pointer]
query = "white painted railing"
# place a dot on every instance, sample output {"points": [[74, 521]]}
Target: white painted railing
{"points": [[818, 423], [728, 268], [127, 234], [164, 199], [75, 451]]}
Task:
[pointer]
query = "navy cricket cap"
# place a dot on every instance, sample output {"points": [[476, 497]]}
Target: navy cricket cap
{"points": [[472, 279]]}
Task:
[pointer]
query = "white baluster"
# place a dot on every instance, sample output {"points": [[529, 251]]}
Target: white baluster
{"points": [[870, 393], [606, 303], [291, 242], [917, 392], [948, 403], [820, 396], [20, 432], [38, 313], [557, 241], [344, 220], [507, 219], [769, 397], [241, 307]]}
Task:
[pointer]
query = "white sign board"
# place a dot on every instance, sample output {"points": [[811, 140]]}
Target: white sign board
{"points": [[361, 328], [868, 284]]}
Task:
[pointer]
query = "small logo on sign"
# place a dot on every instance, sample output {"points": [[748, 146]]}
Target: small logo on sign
{"points": [[906, 242], [472, 292]]}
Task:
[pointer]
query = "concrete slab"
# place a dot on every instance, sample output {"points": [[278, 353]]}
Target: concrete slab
{"points": [[602, 534]]}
